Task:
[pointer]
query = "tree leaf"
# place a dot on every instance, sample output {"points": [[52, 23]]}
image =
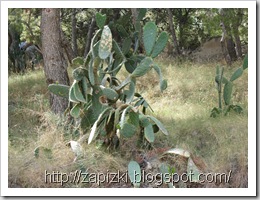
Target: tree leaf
{"points": [[105, 45], [134, 173], [149, 37]]}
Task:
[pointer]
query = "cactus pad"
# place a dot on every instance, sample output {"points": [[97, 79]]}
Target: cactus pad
{"points": [[105, 45]]}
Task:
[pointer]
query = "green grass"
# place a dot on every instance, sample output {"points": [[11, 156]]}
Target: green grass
{"points": [[184, 108]]}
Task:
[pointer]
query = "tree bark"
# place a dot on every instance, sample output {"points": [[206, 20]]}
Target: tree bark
{"points": [[89, 36], [135, 14], [67, 47], [235, 26], [74, 32], [172, 29], [55, 65], [228, 40]]}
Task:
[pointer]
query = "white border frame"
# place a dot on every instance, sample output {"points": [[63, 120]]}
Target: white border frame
{"points": [[250, 191]]}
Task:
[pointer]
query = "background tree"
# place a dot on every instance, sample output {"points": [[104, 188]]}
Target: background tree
{"points": [[74, 31], [173, 33], [55, 65], [236, 23], [226, 17]]}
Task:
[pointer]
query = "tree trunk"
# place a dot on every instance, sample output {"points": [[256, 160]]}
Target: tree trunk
{"points": [[89, 36], [67, 47], [228, 41], [74, 32], [235, 26], [55, 65], [172, 29], [238, 45], [138, 28]]}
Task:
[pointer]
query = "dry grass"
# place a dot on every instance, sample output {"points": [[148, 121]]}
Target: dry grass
{"points": [[184, 108]]}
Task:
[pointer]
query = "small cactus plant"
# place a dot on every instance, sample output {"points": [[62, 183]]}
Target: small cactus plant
{"points": [[227, 91]]}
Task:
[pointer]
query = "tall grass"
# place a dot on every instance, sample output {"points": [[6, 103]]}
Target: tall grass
{"points": [[184, 108]]}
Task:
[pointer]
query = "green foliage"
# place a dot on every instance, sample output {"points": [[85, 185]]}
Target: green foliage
{"points": [[79, 73], [78, 61], [75, 111], [245, 63], [227, 91], [134, 173], [149, 37], [100, 20], [160, 44], [143, 67], [111, 109], [43, 151], [60, 90], [236, 74], [165, 170]]}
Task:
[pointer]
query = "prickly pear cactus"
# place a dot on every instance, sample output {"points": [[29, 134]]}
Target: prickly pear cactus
{"points": [[108, 108], [227, 91]]}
